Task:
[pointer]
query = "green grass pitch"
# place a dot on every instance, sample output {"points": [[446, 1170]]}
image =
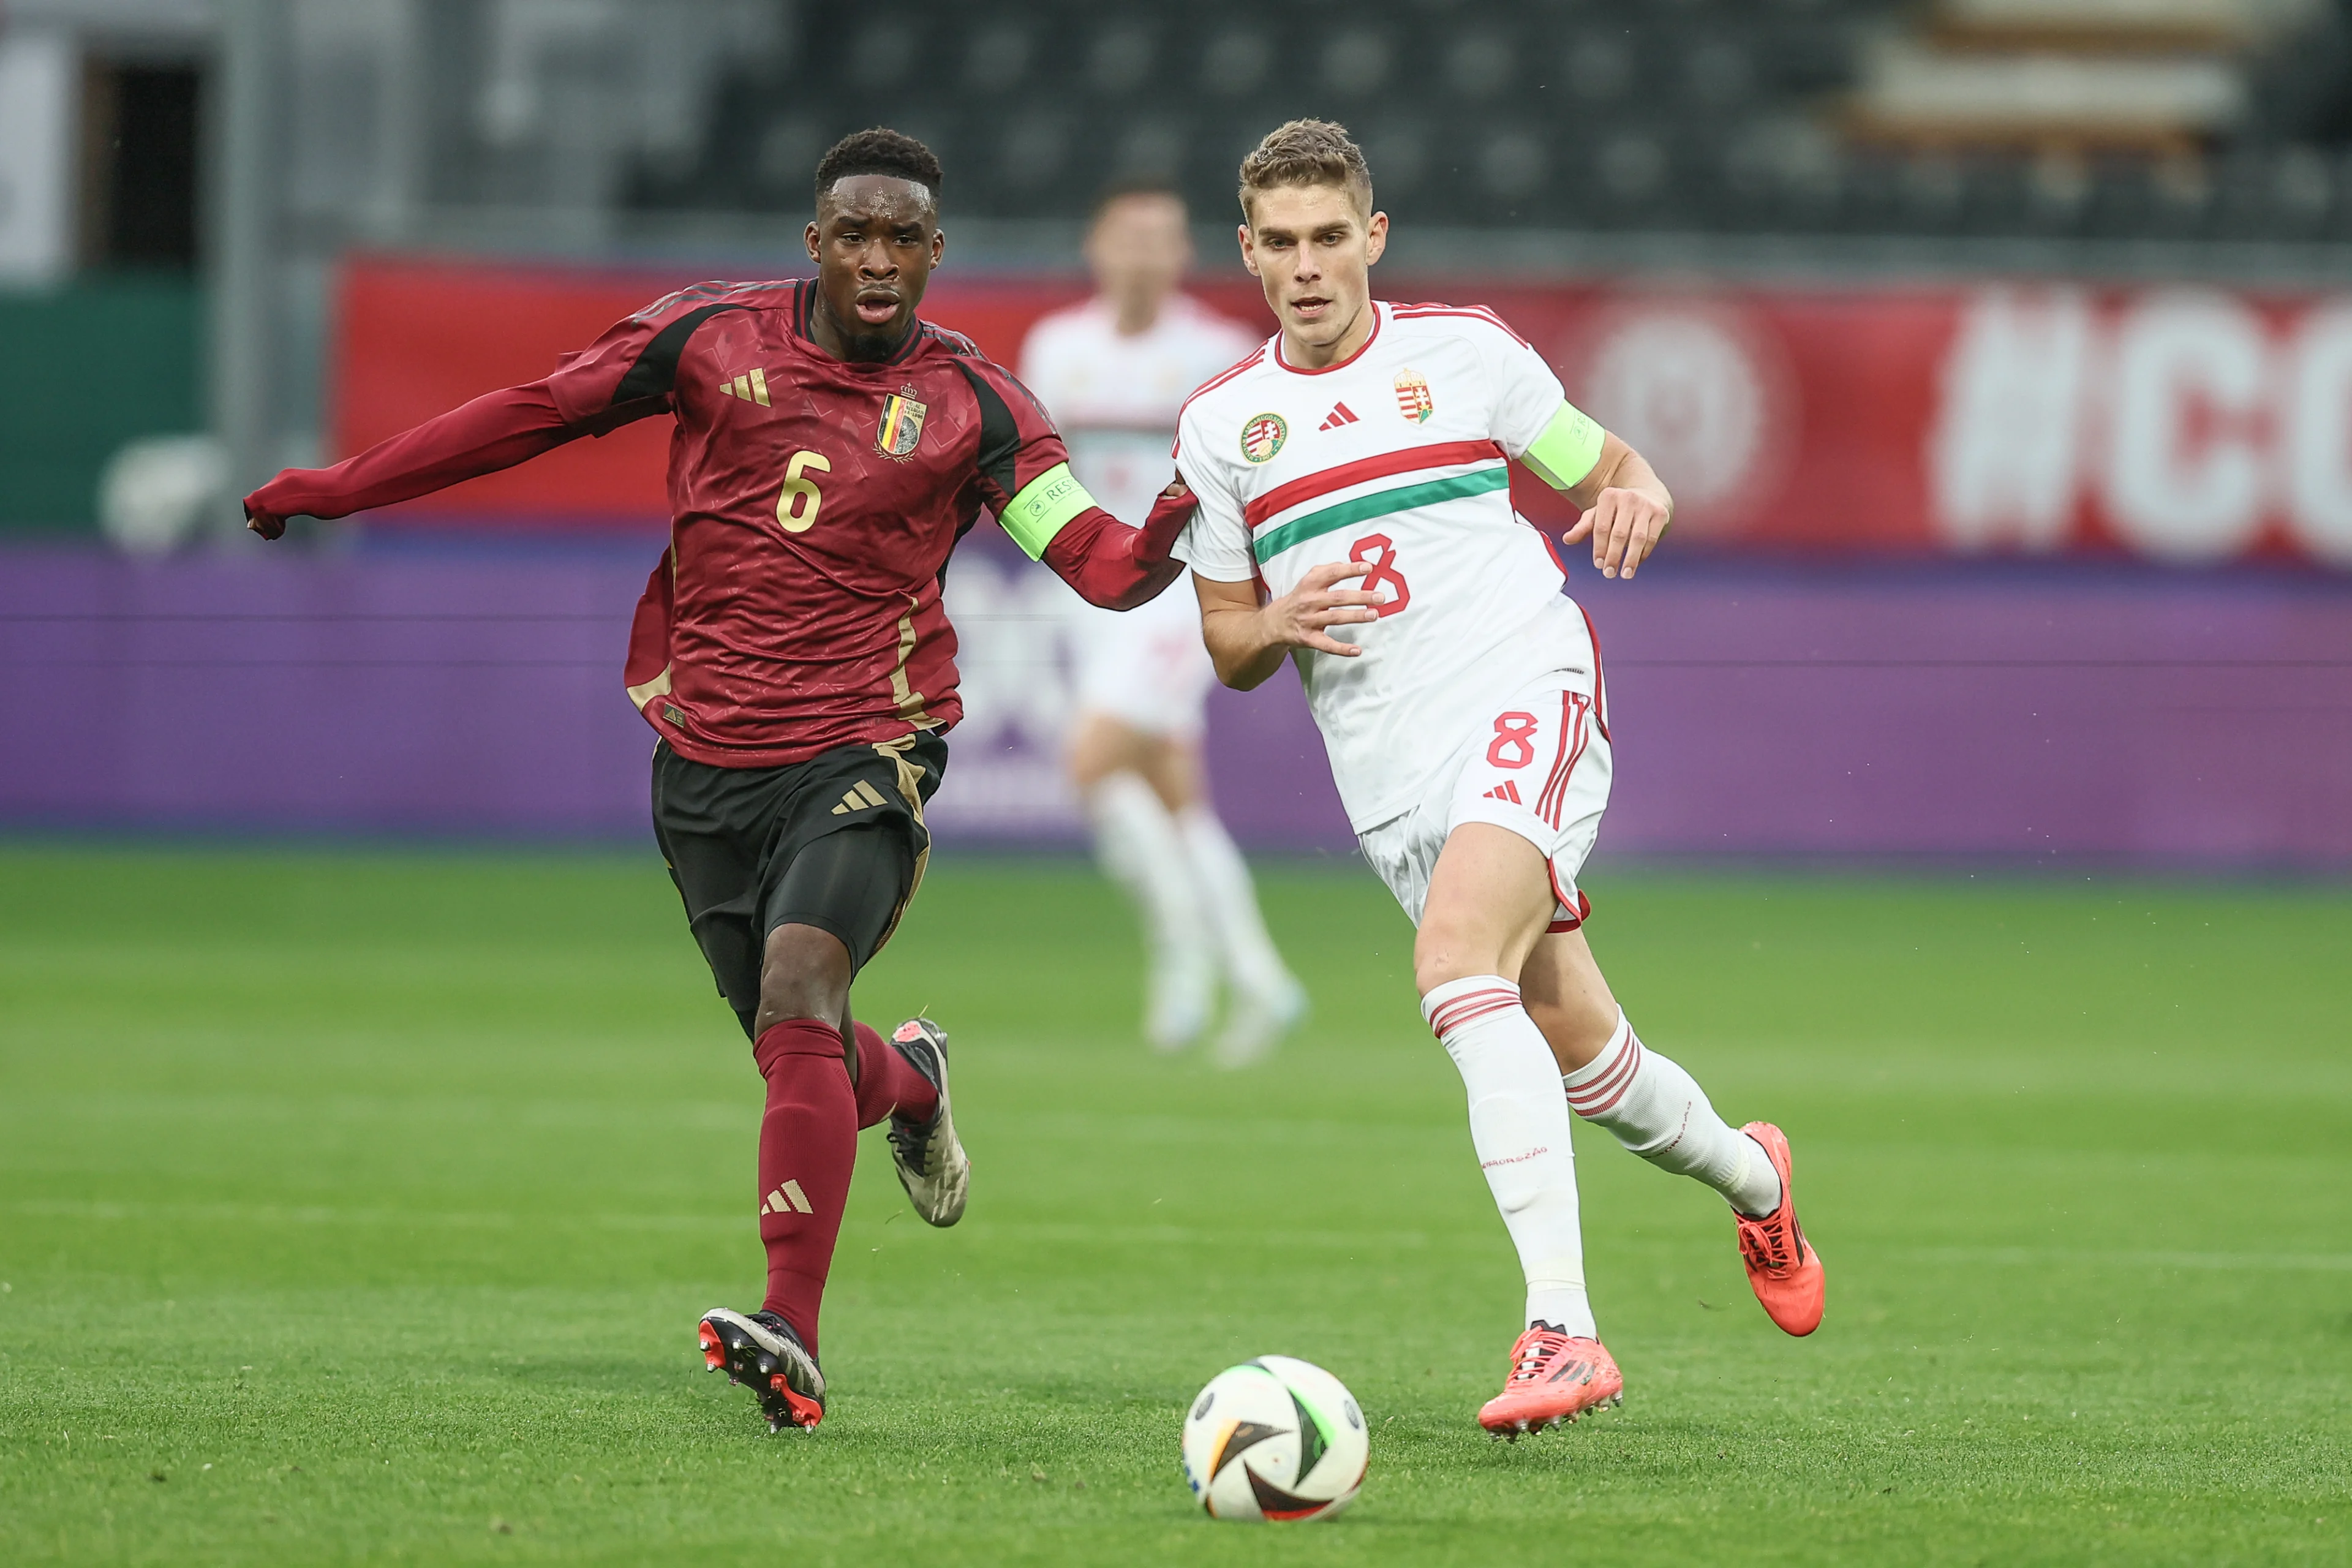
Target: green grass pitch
{"points": [[358, 1208]]}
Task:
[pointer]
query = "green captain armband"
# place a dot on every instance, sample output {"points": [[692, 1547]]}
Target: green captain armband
{"points": [[1564, 453], [1043, 509]]}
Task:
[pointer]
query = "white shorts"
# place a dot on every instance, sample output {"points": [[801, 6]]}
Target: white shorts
{"points": [[1539, 766], [1145, 666]]}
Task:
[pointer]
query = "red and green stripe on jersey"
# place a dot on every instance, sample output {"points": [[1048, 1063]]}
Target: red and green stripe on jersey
{"points": [[1442, 472]]}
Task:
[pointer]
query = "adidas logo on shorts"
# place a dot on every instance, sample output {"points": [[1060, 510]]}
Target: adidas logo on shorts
{"points": [[861, 797], [1507, 790]]}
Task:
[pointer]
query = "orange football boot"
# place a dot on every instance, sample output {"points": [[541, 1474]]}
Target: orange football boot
{"points": [[1784, 1269], [1553, 1379]]}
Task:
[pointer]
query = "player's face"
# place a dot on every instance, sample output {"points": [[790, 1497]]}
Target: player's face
{"points": [[1139, 249], [874, 242], [1313, 251]]}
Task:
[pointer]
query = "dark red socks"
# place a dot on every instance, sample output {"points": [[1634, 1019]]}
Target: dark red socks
{"points": [[887, 1082], [808, 1146]]}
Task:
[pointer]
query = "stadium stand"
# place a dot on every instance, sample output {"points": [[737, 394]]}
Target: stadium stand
{"points": [[2096, 117]]}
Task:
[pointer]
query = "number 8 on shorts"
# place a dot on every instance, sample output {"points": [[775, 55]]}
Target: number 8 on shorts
{"points": [[1514, 744], [1544, 775]]}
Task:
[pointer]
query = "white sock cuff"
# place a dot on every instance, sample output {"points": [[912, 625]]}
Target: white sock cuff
{"points": [[1594, 1089], [1456, 1003]]}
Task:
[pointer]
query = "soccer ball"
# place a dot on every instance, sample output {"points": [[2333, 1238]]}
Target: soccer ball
{"points": [[1275, 1438]]}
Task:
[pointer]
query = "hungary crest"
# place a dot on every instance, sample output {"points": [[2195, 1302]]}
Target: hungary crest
{"points": [[902, 424], [1412, 397], [1263, 436]]}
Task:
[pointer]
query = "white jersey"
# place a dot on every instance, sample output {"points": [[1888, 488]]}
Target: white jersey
{"points": [[1115, 398], [1396, 457]]}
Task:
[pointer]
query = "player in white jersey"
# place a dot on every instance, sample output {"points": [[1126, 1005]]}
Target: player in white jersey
{"points": [[1114, 371], [1355, 517]]}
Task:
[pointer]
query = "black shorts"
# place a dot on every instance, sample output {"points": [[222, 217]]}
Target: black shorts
{"points": [[836, 842]]}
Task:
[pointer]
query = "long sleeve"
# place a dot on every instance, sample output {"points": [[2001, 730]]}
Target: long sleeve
{"points": [[1118, 566], [1023, 475], [495, 430], [624, 375]]}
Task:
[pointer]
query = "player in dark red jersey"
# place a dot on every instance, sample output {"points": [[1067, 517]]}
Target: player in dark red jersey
{"points": [[792, 652]]}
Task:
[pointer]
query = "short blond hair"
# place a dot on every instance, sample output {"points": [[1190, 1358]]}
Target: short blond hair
{"points": [[1308, 153]]}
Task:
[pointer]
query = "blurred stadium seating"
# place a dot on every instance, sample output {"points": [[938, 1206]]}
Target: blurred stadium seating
{"points": [[2098, 118], [2114, 117]]}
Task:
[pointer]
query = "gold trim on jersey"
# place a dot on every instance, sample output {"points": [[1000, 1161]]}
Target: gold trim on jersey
{"points": [[657, 687], [909, 700]]}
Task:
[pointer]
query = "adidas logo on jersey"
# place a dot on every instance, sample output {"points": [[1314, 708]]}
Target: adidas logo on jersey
{"points": [[787, 1199], [1507, 790], [1340, 414], [860, 796], [751, 386]]}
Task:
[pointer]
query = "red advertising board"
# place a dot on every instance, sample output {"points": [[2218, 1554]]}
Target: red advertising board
{"points": [[2181, 424]]}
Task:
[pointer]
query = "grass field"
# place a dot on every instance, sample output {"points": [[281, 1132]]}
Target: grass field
{"points": [[358, 1208]]}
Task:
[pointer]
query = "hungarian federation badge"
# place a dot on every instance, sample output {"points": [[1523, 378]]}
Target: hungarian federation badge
{"points": [[1412, 397], [902, 424], [1263, 436]]}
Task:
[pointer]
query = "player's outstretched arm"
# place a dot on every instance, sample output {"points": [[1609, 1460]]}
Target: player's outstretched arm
{"points": [[1114, 565], [625, 374], [1247, 641], [493, 431], [1023, 476], [1626, 509]]}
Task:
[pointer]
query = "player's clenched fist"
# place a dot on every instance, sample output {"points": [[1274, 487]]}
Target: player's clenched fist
{"points": [[1625, 525], [1298, 619]]}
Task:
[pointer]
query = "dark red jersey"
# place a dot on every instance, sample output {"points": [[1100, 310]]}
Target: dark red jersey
{"points": [[815, 502]]}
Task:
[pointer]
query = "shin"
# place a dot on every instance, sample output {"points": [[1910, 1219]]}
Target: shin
{"points": [[1489, 899]]}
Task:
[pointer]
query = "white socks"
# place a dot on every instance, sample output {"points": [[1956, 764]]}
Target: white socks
{"points": [[1199, 911], [1229, 901], [1141, 847], [1520, 1126], [1658, 1112], [1520, 1122]]}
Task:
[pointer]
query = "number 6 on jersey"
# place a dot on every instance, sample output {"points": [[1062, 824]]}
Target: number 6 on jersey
{"points": [[796, 506]]}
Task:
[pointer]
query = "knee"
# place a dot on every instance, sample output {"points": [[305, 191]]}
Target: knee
{"points": [[804, 973], [1576, 1026], [1443, 954]]}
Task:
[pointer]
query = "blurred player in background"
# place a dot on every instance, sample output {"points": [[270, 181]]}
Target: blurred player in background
{"points": [[1460, 695], [793, 654], [1114, 371]]}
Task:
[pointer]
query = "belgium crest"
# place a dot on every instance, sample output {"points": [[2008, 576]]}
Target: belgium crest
{"points": [[902, 423], [1263, 436], [1413, 400]]}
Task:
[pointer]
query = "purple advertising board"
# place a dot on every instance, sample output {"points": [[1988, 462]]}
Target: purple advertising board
{"points": [[2010, 714]]}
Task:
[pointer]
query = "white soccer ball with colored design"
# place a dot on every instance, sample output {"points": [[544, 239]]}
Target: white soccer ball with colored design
{"points": [[1275, 1438]]}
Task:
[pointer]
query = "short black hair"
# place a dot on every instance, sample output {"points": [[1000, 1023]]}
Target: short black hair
{"points": [[880, 150], [1134, 185]]}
